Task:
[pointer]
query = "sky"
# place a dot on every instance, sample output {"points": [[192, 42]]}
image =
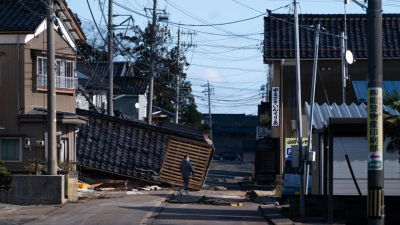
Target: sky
{"points": [[228, 56]]}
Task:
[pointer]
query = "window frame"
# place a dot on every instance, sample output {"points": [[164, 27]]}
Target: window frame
{"points": [[20, 149], [64, 73]]}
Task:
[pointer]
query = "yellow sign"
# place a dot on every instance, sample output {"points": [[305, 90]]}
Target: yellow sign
{"points": [[292, 141], [375, 129]]}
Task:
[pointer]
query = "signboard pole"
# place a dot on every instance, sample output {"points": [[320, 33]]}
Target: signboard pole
{"points": [[299, 123], [375, 203], [314, 78]]}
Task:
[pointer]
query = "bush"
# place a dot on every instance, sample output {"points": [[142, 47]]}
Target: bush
{"points": [[35, 166], [66, 166], [5, 177]]}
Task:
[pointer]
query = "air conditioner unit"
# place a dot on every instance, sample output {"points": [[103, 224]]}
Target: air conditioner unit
{"points": [[27, 142], [39, 144]]}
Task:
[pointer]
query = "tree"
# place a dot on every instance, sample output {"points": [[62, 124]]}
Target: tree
{"points": [[134, 45], [193, 118], [392, 122]]}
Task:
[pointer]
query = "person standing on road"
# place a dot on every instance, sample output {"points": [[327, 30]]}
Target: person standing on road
{"points": [[186, 168]]}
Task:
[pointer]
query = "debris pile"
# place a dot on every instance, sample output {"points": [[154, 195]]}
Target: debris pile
{"points": [[206, 201]]}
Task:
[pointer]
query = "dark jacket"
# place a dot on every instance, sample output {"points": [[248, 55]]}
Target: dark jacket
{"points": [[186, 168]]}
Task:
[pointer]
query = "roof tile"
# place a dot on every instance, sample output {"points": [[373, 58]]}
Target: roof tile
{"points": [[279, 35]]}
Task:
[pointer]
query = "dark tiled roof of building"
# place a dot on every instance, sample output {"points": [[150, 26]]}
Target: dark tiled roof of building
{"points": [[130, 85], [249, 144], [124, 147], [279, 35], [233, 123], [124, 80], [25, 15]]}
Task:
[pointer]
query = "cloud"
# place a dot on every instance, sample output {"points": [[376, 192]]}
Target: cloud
{"points": [[207, 74], [213, 14]]}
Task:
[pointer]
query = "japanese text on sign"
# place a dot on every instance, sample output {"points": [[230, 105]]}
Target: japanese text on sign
{"points": [[275, 106], [374, 135]]}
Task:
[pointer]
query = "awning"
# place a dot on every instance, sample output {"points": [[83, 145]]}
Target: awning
{"points": [[360, 88], [38, 115]]}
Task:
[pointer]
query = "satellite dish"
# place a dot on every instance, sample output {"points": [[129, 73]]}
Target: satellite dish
{"points": [[137, 105], [349, 57]]}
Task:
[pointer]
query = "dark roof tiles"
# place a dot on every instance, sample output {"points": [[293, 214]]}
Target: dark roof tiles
{"points": [[25, 15], [279, 35], [124, 80], [233, 123]]}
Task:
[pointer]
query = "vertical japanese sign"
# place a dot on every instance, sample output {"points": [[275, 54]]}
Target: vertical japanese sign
{"points": [[275, 107], [375, 133]]}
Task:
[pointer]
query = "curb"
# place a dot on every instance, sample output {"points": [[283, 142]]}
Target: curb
{"points": [[272, 215]]}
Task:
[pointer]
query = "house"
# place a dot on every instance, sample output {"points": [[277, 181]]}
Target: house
{"points": [[230, 130], [339, 139], [279, 54], [161, 116], [129, 90], [23, 76]]}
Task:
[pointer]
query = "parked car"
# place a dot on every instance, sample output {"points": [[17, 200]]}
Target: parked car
{"points": [[228, 156], [291, 180]]}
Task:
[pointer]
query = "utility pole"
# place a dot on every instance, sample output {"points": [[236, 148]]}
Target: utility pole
{"points": [[314, 78], [110, 59], [375, 203], [51, 91], [153, 55], [299, 120], [177, 78], [344, 77], [209, 108]]}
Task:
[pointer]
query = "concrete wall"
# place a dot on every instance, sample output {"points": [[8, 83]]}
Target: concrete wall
{"points": [[35, 190]]}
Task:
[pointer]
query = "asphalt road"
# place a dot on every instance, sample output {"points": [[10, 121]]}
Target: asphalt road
{"points": [[149, 208]]}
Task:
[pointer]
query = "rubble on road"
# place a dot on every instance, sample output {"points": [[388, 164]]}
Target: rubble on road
{"points": [[215, 188], [206, 201], [263, 197], [151, 188]]}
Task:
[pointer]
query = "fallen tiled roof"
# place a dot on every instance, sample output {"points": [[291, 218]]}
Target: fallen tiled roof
{"points": [[279, 35], [25, 15], [124, 147]]}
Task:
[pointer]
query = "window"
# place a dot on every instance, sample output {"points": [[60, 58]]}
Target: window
{"points": [[10, 149], [64, 72]]}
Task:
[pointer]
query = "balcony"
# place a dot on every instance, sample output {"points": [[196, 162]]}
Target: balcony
{"points": [[70, 83]]}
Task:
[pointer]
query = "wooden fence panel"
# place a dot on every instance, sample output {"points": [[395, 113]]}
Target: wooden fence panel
{"points": [[200, 157]]}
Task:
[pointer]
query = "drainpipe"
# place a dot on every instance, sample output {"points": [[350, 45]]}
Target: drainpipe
{"points": [[18, 77]]}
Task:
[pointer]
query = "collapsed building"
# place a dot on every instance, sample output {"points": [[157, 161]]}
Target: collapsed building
{"points": [[141, 151]]}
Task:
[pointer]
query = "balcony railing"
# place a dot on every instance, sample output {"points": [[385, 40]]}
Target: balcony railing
{"points": [[61, 82]]}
